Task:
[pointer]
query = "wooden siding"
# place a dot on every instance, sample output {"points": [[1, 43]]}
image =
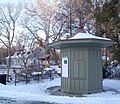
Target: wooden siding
{"points": [[65, 84], [85, 73], [94, 69]]}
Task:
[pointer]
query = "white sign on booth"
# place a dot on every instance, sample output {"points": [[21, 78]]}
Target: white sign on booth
{"points": [[65, 67]]}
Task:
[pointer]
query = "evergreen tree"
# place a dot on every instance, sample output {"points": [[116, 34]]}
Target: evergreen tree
{"points": [[117, 54], [108, 20], [108, 23]]}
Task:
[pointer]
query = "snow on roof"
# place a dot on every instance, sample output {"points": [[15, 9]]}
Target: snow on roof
{"points": [[87, 36], [82, 39], [15, 56]]}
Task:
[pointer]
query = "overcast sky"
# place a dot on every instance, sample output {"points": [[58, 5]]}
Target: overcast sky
{"points": [[7, 0], [3, 1]]}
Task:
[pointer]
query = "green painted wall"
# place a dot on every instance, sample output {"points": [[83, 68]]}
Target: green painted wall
{"points": [[85, 73], [95, 69]]}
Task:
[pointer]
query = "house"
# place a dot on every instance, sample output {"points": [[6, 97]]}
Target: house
{"points": [[15, 61], [32, 58]]}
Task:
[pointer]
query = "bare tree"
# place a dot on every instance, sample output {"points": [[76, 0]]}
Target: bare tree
{"points": [[3, 54], [24, 39], [28, 48], [9, 15], [35, 19], [78, 13], [42, 16], [24, 46]]}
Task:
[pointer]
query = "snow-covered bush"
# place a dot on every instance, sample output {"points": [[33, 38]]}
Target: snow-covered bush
{"points": [[114, 71]]}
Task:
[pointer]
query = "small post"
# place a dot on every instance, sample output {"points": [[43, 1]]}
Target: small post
{"points": [[15, 79], [50, 75], [26, 78], [15, 76], [38, 77]]}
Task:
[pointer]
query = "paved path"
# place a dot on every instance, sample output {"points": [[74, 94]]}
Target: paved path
{"points": [[4, 100]]}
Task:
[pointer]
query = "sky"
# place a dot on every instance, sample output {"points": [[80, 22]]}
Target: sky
{"points": [[37, 92], [4, 1], [8, 0], [15, 1]]}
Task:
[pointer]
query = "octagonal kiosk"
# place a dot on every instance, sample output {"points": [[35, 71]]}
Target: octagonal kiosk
{"points": [[81, 63]]}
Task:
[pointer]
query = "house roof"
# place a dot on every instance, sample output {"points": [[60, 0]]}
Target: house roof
{"points": [[15, 56], [39, 53], [43, 56]]}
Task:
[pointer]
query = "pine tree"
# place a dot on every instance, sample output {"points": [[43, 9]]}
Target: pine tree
{"points": [[108, 23], [108, 20]]}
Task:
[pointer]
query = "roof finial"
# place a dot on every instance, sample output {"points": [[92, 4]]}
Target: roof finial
{"points": [[81, 22]]}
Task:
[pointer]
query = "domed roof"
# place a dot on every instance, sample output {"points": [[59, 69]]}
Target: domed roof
{"points": [[82, 39], [87, 36]]}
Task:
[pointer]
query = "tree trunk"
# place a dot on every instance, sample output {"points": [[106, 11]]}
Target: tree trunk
{"points": [[70, 22], [9, 63]]}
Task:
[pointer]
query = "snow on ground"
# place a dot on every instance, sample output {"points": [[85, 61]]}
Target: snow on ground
{"points": [[36, 91]]}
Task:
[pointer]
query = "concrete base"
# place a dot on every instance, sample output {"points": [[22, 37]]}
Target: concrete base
{"points": [[56, 90], [81, 92]]}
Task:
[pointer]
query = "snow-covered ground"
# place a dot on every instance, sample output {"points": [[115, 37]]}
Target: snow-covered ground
{"points": [[37, 91]]}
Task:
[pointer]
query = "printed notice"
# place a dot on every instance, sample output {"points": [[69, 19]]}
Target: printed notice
{"points": [[65, 67]]}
